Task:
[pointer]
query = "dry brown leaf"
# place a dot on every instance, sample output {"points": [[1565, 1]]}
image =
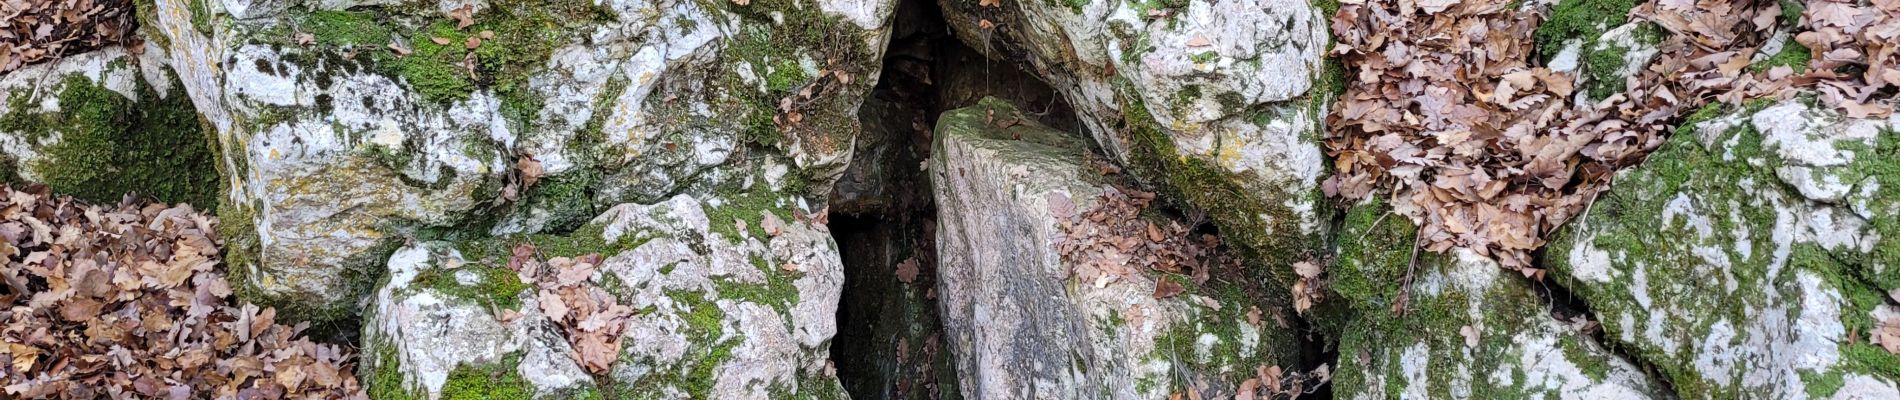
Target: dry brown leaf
{"points": [[907, 270], [1165, 288], [1199, 41]]}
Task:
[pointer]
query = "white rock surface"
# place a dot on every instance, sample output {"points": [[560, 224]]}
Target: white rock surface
{"points": [[336, 150], [1018, 325], [1228, 83], [1745, 258]]}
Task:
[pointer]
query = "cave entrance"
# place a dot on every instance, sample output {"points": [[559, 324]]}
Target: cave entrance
{"points": [[889, 343]]}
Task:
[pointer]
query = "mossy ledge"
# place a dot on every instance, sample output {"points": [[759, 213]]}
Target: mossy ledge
{"points": [[102, 145], [1255, 221]]}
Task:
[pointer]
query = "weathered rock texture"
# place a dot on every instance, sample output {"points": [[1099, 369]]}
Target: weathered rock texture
{"points": [[101, 124], [737, 299], [345, 126], [1751, 256], [1019, 325], [1218, 103], [1468, 328]]}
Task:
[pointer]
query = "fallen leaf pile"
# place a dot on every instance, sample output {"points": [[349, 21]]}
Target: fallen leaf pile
{"points": [[1856, 54], [591, 318], [1111, 241], [33, 31], [1274, 383], [1484, 150], [131, 302]]}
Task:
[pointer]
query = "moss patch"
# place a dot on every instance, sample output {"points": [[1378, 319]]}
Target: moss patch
{"points": [[1692, 203], [1585, 20], [1255, 221], [1793, 55], [101, 145]]}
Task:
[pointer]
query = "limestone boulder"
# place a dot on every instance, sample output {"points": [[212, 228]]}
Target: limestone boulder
{"points": [[734, 297], [345, 127], [1218, 104], [1019, 322], [1752, 255], [101, 124]]}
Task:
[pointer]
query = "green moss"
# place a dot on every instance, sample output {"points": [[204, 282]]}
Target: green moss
{"points": [[496, 381], [749, 205], [1579, 19], [383, 379], [200, 15], [524, 33], [1374, 249], [1255, 221], [147, 13], [1594, 366], [1603, 66], [1075, 6], [776, 39], [1793, 55], [346, 28], [777, 291], [497, 286], [1706, 177], [101, 145], [695, 374], [1203, 57]]}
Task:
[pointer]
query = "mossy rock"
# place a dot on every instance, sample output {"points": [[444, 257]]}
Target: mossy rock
{"points": [[1747, 253], [1463, 327], [92, 126]]}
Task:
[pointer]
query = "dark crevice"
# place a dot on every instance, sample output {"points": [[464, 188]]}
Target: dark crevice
{"points": [[889, 343], [1566, 306]]}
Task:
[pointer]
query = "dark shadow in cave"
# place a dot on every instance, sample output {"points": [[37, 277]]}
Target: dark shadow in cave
{"points": [[883, 216]]}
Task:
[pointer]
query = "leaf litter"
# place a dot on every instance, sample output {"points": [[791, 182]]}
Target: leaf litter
{"points": [[1447, 114], [591, 318], [131, 301], [35, 31]]}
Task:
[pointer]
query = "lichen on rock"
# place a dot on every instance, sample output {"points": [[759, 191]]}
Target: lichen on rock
{"points": [[1216, 103], [345, 127], [1748, 254], [1017, 319]]}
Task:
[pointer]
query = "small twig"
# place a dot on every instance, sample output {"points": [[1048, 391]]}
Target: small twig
{"points": [[1374, 226], [1405, 285]]}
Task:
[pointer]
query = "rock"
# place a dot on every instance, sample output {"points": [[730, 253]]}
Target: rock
{"points": [[1217, 103], [433, 332], [345, 126], [723, 312], [1750, 256], [1470, 329], [1020, 326], [101, 124], [1607, 64]]}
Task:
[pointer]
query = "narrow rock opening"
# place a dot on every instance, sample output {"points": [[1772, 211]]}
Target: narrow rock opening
{"points": [[889, 343], [1571, 308]]}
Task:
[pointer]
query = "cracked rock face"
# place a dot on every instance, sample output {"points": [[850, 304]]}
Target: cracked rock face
{"points": [[1750, 256], [345, 126], [1218, 102], [1472, 331], [727, 313], [1016, 322]]}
